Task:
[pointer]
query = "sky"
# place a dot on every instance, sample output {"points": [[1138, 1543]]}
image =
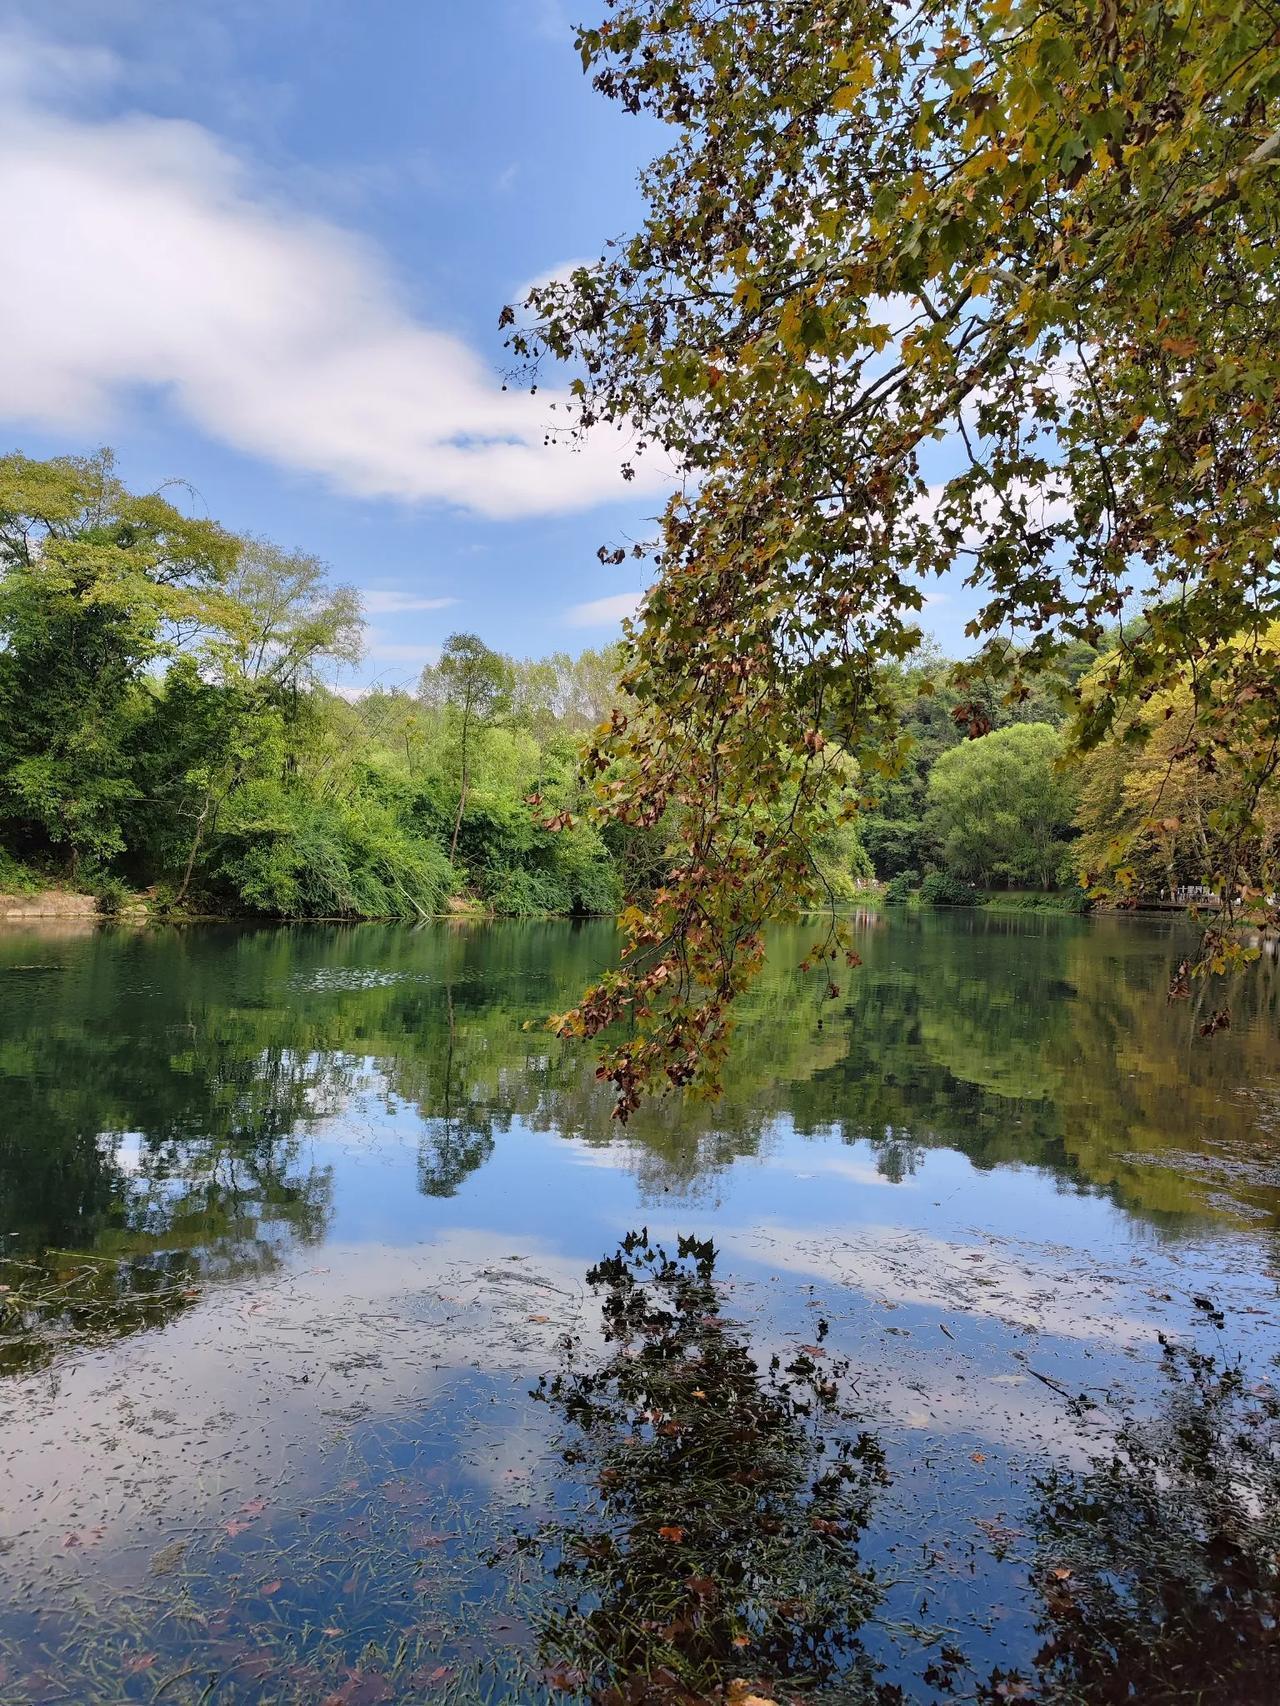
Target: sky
{"points": [[263, 251]]}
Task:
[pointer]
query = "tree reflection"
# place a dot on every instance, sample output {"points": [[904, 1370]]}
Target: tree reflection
{"points": [[1160, 1567], [179, 1216], [1017, 1040], [724, 1543]]}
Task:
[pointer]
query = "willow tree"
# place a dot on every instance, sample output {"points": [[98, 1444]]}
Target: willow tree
{"points": [[1038, 239]]}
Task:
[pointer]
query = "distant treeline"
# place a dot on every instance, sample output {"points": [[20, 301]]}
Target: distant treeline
{"points": [[166, 729]]}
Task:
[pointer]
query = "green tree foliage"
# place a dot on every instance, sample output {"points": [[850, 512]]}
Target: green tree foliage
{"points": [[97, 586], [1049, 232], [472, 685], [1157, 796], [167, 724], [1000, 808]]}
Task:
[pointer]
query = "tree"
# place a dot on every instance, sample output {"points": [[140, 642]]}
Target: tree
{"points": [[275, 621], [98, 586], [1156, 794], [1046, 233], [473, 685], [278, 619], [1001, 806]]}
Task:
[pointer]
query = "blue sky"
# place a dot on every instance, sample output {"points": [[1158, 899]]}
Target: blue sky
{"points": [[265, 249]]}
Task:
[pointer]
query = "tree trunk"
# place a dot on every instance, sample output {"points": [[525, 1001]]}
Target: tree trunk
{"points": [[196, 839], [462, 787]]}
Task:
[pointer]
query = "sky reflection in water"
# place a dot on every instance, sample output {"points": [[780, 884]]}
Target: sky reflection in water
{"points": [[294, 1220]]}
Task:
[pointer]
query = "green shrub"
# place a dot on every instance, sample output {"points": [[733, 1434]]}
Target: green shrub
{"points": [[898, 890], [15, 877], [940, 888], [518, 893], [293, 856], [110, 896], [1073, 900]]}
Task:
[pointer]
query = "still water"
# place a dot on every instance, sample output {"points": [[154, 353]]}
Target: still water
{"points": [[311, 1387]]}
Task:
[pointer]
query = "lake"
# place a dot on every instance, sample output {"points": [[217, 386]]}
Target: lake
{"points": [[326, 1373]]}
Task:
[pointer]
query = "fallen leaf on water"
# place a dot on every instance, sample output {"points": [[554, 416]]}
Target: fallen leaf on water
{"points": [[564, 1677], [1061, 1575], [672, 1532], [332, 1629], [137, 1662], [977, 1457], [235, 1527], [814, 1350], [541, 1320], [740, 1694], [82, 1537], [254, 1507], [269, 1588]]}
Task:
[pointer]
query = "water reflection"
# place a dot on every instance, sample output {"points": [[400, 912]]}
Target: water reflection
{"points": [[732, 1498], [158, 1086], [1159, 1569]]}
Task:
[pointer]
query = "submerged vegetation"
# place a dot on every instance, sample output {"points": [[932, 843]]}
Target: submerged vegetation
{"points": [[731, 1500], [229, 1164]]}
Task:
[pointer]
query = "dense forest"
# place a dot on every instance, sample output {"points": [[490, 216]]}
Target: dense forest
{"points": [[169, 729]]}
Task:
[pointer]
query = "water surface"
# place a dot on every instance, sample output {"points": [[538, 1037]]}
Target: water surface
{"points": [[296, 1220]]}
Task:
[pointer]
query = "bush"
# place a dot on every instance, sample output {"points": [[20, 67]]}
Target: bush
{"points": [[898, 890], [110, 896], [293, 856], [517, 893], [15, 877], [940, 888], [1073, 900]]}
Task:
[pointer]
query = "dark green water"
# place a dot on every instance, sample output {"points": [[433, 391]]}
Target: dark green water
{"points": [[294, 1221]]}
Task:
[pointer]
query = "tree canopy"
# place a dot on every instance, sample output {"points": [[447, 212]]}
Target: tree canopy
{"points": [[1044, 234], [1000, 807]]}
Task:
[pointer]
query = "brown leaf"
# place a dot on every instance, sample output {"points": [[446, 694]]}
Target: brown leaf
{"points": [[564, 1677], [671, 1531], [270, 1588]]}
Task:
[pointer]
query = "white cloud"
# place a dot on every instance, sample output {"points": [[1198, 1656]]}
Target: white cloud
{"points": [[379, 647], [152, 262], [561, 273], [603, 612], [386, 601]]}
